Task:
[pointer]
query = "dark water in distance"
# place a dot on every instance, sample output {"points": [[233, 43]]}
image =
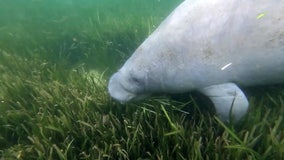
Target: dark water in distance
{"points": [[99, 33]]}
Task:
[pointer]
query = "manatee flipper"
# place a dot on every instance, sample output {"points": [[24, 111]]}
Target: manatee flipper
{"points": [[229, 100]]}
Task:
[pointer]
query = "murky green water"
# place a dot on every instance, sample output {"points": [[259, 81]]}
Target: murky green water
{"points": [[98, 33]]}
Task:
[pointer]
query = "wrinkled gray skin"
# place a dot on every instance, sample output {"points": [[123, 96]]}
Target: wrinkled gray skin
{"points": [[211, 46]]}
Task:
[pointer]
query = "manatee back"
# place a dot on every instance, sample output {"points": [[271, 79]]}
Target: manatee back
{"points": [[209, 42]]}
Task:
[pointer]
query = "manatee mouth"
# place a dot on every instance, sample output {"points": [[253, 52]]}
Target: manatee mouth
{"points": [[118, 90]]}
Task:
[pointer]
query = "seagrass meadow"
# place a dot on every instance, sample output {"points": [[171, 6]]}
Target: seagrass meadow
{"points": [[55, 61]]}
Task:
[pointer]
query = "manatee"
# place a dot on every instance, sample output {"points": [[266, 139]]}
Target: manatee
{"points": [[209, 46]]}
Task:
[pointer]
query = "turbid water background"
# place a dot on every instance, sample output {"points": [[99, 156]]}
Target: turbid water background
{"points": [[99, 33]]}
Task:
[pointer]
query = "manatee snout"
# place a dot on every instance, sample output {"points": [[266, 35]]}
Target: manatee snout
{"points": [[125, 88]]}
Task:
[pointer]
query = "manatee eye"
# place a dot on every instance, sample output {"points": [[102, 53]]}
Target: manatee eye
{"points": [[136, 80]]}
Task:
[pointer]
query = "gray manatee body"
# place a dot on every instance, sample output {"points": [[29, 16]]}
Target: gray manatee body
{"points": [[211, 46]]}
